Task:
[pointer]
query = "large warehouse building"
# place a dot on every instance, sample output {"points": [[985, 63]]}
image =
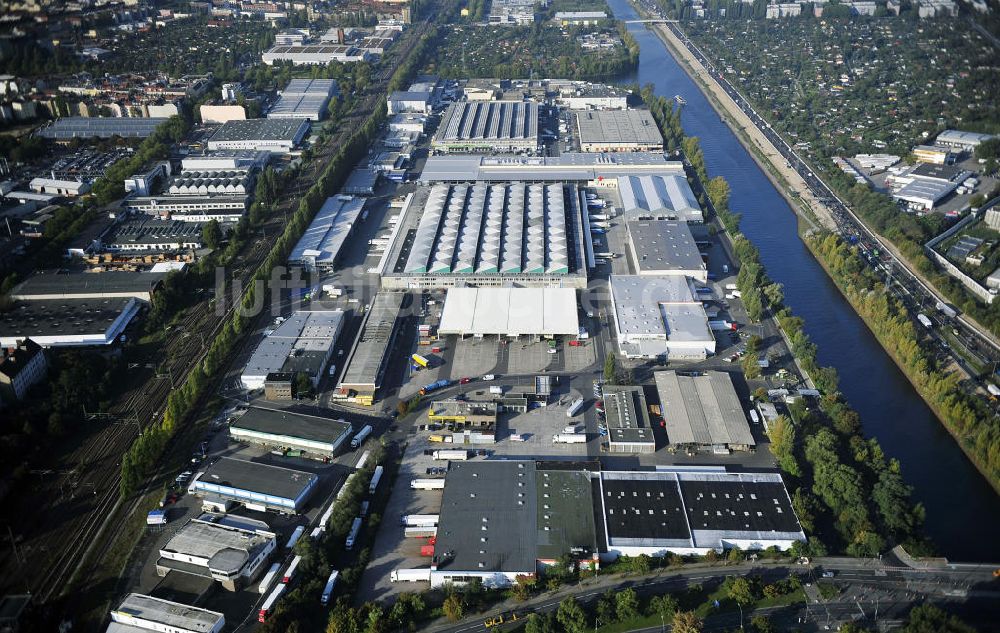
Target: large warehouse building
{"points": [[314, 54], [510, 312], [65, 129], [703, 413], [366, 365], [591, 169], [108, 285], [659, 197], [304, 343], [319, 247], [662, 247], [257, 486], [138, 612], [627, 418], [504, 519], [618, 131], [316, 437], [231, 550], [304, 99], [488, 126], [477, 234], [68, 322], [659, 317], [274, 135]]}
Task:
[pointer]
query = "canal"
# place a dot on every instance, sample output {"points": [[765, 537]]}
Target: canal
{"points": [[962, 509]]}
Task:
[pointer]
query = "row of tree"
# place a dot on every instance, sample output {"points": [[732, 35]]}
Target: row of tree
{"points": [[966, 417], [141, 458], [828, 462]]}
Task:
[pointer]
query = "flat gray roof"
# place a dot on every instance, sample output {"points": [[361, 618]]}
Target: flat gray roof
{"points": [[227, 548], [322, 241], [301, 343], [64, 317], [570, 166], [617, 127], [298, 425], [487, 517], [261, 129], [170, 614], [365, 366], [702, 410], [627, 416], [663, 245], [564, 519], [646, 305], [101, 127], [154, 232], [261, 478], [107, 284]]}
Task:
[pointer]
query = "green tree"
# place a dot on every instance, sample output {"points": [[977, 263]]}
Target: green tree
{"points": [[540, 623], [571, 616], [303, 386], [211, 234], [739, 590], [686, 622], [606, 607], [627, 605], [664, 606], [927, 618], [453, 607], [610, 367], [762, 624]]}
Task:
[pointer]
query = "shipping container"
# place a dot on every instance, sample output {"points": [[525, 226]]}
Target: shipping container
{"points": [[451, 455], [420, 531], [419, 520], [427, 484], [376, 478], [574, 408], [294, 538], [269, 578], [352, 536], [410, 575], [331, 582]]}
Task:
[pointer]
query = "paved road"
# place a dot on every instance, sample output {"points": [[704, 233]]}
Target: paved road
{"points": [[869, 587]]}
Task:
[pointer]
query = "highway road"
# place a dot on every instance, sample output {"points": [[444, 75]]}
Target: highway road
{"points": [[869, 591]]}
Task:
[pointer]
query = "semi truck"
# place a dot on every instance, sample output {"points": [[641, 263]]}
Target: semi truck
{"points": [[376, 478], [331, 582], [434, 386], [574, 408], [722, 326], [352, 536], [359, 439], [925, 321], [451, 455], [410, 575], [268, 606], [420, 360], [946, 310], [294, 538], [419, 520], [427, 484], [289, 574], [569, 438], [269, 578]]}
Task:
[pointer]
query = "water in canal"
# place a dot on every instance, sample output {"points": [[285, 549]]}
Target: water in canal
{"points": [[962, 509]]}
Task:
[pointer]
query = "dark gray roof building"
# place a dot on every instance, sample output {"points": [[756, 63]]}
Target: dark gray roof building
{"points": [[256, 485], [317, 437]]}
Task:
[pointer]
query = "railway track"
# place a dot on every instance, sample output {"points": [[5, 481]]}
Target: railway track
{"points": [[82, 536]]}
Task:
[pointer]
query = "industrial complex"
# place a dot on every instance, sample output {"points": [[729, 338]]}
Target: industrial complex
{"points": [[310, 436], [260, 487], [302, 344], [489, 126], [320, 245], [659, 317], [618, 131]]}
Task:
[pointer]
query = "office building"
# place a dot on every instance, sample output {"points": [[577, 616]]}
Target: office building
{"points": [[231, 550], [21, 366]]}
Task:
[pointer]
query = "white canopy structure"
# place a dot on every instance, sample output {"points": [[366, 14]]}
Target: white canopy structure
{"points": [[510, 312]]}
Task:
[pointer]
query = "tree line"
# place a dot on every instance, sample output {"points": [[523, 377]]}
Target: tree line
{"points": [[828, 463], [965, 416]]}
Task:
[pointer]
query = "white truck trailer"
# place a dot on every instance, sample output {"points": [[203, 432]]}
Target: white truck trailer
{"points": [[427, 484], [569, 438], [359, 439], [410, 575], [451, 455]]}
